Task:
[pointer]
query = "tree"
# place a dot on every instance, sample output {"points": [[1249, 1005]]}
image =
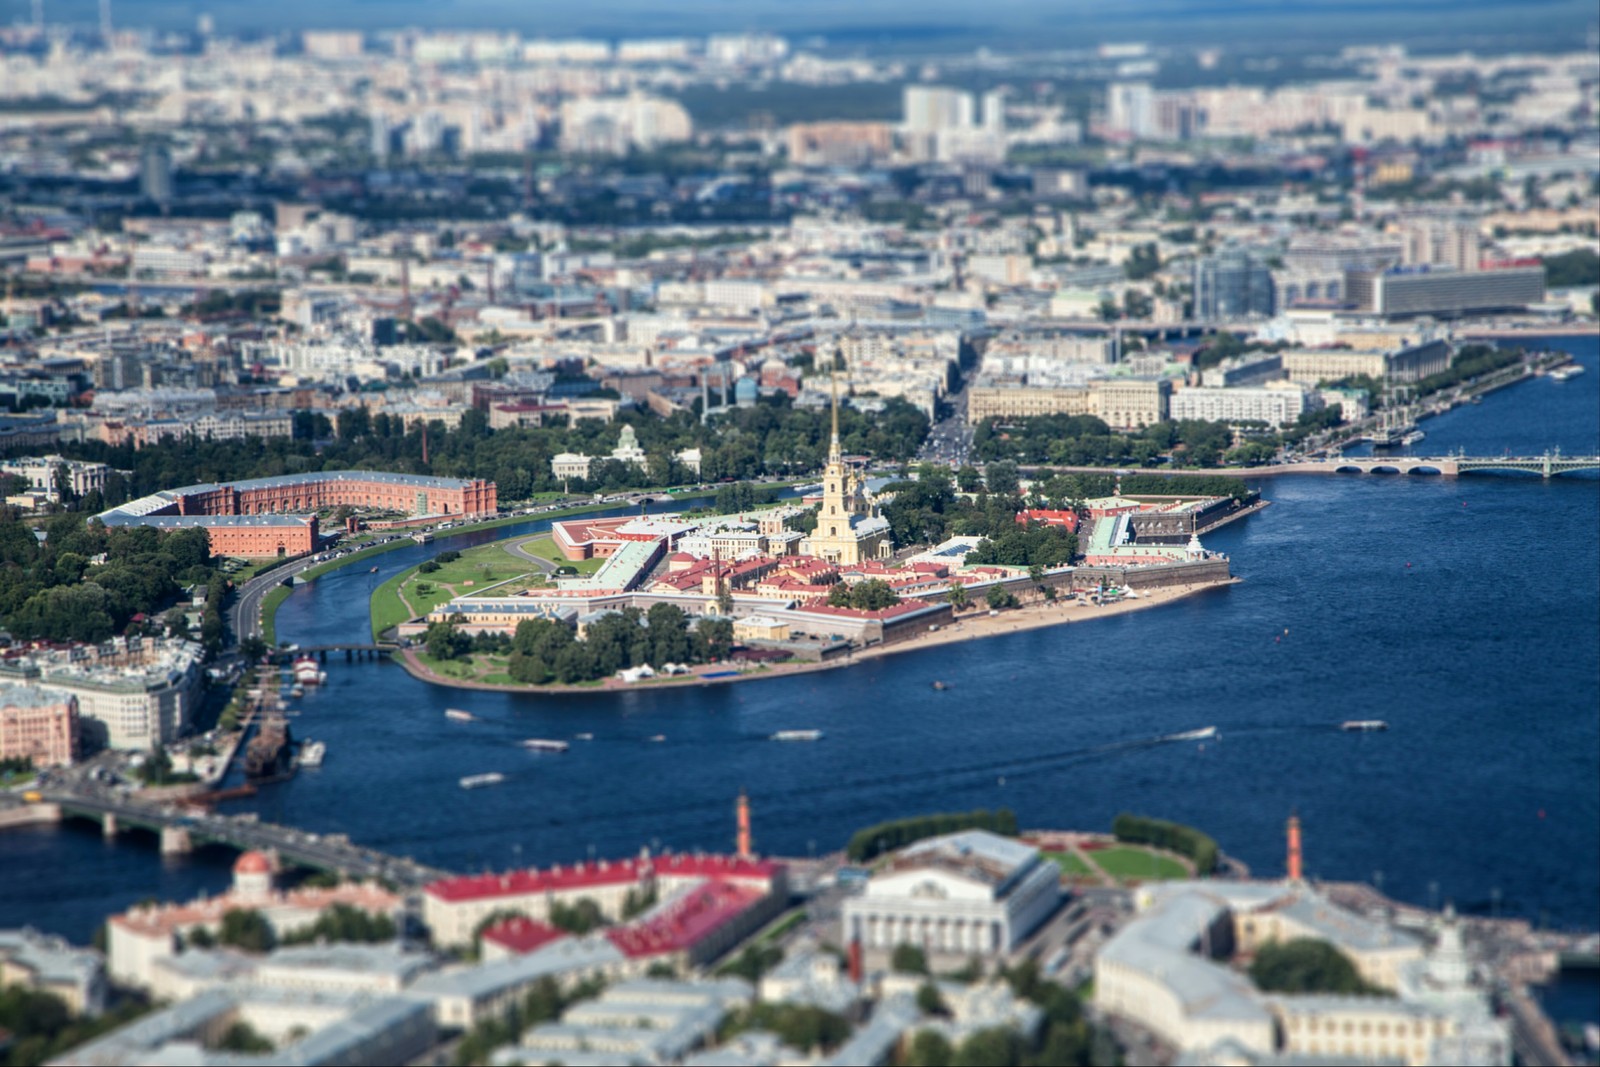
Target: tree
{"points": [[929, 1001], [875, 594], [929, 1049], [968, 480], [444, 640], [994, 1047], [908, 959], [242, 1037], [999, 597], [247, 929], [1001, 477], [579, 917], [958, 596], [1305, 965]]}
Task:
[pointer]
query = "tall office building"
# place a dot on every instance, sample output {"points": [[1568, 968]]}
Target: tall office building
{"points": [[931, 108], [1234, 283], [1437, 242], [1131, 109], [994, 110], [155, 173]]}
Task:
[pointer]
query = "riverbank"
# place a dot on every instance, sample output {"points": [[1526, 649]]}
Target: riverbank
{"points": [[971, 626], [271, 603]]}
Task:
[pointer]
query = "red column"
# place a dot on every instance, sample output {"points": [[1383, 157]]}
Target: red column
{"points": [[1294, 848], [744, 826]]}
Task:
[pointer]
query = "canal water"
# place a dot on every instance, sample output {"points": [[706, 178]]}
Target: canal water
{"points": [[1464, 612]]}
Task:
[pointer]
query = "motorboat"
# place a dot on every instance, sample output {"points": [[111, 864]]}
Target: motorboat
{"points": [[539, 744], [1203, 734], [1363, 725], [457, 715], [477, 781], [797, 735], [312, 753]]}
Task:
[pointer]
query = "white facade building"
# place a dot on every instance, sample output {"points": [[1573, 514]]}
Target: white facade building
{"points": [[961, 894], [1274, 406]]}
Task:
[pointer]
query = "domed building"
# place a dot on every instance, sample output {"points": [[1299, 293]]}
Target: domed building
{"points": [[145, 935], [252, 876]]}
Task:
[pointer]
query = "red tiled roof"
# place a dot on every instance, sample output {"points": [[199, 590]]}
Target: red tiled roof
{"points": [[522, 935], [686, 922], [521, 883], [1069, 519], [601, 873]]}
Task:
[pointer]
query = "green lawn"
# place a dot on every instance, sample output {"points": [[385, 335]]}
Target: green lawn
{"points": [[545, 548], [269, 613], [477, 569], [1127, 862], [387, 609], [1070, 864]]}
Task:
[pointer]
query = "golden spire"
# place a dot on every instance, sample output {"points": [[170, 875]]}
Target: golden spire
{"points": [[833, 444]]}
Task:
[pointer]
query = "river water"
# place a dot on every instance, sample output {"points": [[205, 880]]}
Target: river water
{"points": [[1463, 611]]}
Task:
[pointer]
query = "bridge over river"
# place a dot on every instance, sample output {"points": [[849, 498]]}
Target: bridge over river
{"points": [[181, 828], [1547, 465]]}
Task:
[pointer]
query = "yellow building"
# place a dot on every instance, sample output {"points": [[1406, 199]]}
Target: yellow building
{"points": [[849, 529], [1132, 403], [1021, 401], [760, 628]]}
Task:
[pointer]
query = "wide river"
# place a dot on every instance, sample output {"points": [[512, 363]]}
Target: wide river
{"points": [[1465, 612]]}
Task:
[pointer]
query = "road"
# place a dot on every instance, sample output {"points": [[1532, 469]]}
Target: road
{"points": [[949, 440], [246, 611]]}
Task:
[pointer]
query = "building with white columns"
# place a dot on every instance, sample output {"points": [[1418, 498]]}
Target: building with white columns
{"points": [[964, 894]]}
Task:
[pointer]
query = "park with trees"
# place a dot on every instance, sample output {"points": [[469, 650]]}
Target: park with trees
{"points": [[58, 588]]}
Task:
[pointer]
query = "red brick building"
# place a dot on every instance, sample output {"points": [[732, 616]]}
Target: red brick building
{"points": [[267, 517]]}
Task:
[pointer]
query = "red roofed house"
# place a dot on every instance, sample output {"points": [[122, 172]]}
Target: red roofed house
{"points": [[1069, 519], [517, 937], [453, 907]]}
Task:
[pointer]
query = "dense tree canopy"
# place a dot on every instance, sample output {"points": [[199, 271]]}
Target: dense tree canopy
{"points": [[543, 651], [768, 439], [1305, 965], [53, 590]]}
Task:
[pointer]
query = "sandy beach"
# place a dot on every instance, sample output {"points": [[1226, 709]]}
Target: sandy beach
{"points": [[971, 625]]}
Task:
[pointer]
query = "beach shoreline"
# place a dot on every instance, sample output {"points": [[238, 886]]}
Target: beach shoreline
{"points": [[972, 625]]}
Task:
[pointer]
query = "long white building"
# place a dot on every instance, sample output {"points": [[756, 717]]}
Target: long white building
{"points": [[961, 894], [1274, 406]]}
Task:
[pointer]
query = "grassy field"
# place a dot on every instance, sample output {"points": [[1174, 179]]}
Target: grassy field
{"points": [[412, 593], [1124, 862], [269, 613], [480, 668], [1070, 864], [545, 548]]}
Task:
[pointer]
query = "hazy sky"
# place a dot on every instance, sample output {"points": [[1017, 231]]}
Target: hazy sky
{"points": [[947, 23]]}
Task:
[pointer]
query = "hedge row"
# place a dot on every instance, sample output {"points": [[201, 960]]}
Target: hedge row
{"points": [[1185, 840], [886, 837]]}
